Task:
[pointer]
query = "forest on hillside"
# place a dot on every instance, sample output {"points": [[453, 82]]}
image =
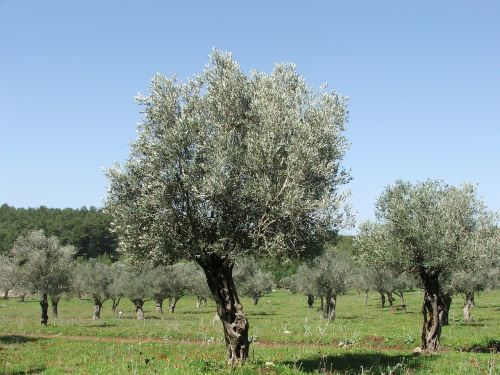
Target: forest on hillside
{"points": [[88, 229]]}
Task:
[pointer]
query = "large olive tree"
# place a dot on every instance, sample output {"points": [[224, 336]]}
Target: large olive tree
{"points": [[230, 164], [43, 266], [430, 229]]}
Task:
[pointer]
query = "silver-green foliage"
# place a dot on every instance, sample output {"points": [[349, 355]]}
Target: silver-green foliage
{"points": [[93, 278], [250, 280], [43, 265], [229, 164], [430, 227]]}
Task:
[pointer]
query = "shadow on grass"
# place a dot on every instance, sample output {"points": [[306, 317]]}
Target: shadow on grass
{"points": [[354, 362], [17, 339], [35, 370], [100, 325], [491, 346], [262, 313]]}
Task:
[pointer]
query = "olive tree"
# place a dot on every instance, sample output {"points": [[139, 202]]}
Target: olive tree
{"points": [[137, 282], [116, 289], [93, 278], [7, 275], [197, 284], [230, 164], [429, 229], [43, 266], [170, 282], [251, 280]]}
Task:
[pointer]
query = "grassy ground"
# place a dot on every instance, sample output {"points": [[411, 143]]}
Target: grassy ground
{"points": [[288, 339]]}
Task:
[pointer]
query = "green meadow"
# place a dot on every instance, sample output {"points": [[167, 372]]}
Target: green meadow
{"points": [[288, 338]]}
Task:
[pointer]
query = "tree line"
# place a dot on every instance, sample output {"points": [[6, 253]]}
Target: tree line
{"points": [[87, 229]]}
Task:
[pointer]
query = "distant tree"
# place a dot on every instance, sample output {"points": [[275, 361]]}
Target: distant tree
{"points": [[197, 284], [251, 280], [304, 281], [227, 165], [43, 266], [7, 276], [429, 229], [116, 288], [170, 282], [137, 283], [93, 278]]}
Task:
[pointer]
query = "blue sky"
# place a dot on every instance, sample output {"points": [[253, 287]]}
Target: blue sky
{"points": [[423, 79]]}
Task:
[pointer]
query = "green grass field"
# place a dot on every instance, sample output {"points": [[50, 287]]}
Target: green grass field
{"points": [[288, 338]]}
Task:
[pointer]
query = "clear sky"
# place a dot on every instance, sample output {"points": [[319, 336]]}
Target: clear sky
{"points": [[423, 79]]}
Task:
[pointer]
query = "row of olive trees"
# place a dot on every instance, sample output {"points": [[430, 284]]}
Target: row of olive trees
{"points": [[41, 265]]}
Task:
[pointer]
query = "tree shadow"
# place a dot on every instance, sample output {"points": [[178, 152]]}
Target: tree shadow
{"points": [[262, 313], [354, 362], [17, 339], [492, 346], [34, 370]]}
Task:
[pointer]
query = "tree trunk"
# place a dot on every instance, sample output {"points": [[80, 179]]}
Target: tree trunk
{"points": [[200, 301], [401, 300], [55, 302], [445, 314], [172, 301], [44, 303], [219, 273], [469, 303], [331, 304], [159, 305], [432, 311], [310, 300], [116, 301], [382, 299], [6, 294], [21, 297], [138, 303], [366, 297], [97, 309], [390, 298], [255, 300], [322, 306]]}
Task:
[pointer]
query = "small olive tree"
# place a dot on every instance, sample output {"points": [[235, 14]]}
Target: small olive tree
{"points": [[7, 275], [138, 285], [44, 267], [170, 282], [93, 278], [116, 289], [251, 280], [197, 284], [230, 164], [429, 229]]}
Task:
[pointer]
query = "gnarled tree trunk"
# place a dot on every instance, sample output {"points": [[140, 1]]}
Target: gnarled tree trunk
{"points": [[54, 302], [382, 299], [310, 300], [219, 273], [97, 309], [401, 300], [446, 311], [433, 308], [331, 304], [172, 301], [255, 300], [390, 298], [468, 304], [138, 303], [44, 304], [159, 305]]}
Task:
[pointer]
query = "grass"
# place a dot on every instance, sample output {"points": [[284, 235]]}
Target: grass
{"points": [[288, 338]]}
